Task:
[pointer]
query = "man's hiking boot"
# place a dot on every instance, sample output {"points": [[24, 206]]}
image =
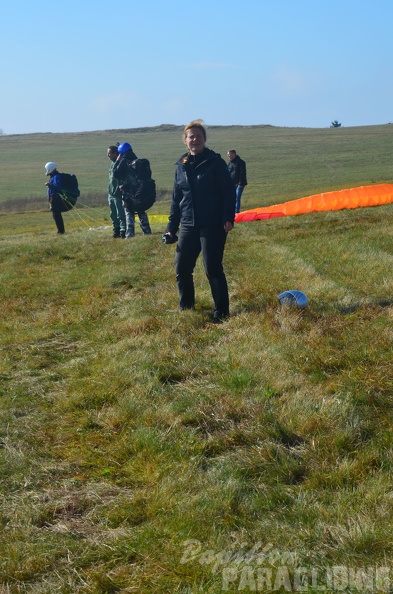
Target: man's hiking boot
{"points": [[219, 317]]}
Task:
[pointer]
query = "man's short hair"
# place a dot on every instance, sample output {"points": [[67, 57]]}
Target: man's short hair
{"points": [[232, 151]]}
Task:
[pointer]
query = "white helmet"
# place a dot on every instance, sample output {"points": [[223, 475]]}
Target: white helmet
{"points": [[50, 167]]}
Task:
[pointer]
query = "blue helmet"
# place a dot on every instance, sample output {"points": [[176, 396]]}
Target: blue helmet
{"points": [[293, 298], [124, 147]]}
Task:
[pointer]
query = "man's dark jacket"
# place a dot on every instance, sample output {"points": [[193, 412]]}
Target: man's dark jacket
{"points": [[203, 193], [237, 171], [122, 171]]}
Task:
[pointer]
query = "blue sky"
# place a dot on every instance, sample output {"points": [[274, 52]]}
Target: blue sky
{"points": [[81, 66]]}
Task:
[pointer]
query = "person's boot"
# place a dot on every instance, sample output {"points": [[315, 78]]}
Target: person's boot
{"points": [[219, 317], [144, 223]]}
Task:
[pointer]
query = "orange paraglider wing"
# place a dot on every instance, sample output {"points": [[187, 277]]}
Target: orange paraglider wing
{"points": [[353, 198]]}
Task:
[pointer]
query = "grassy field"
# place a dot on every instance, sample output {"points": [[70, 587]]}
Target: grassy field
{"points": [[283, 163], [144, 450]]}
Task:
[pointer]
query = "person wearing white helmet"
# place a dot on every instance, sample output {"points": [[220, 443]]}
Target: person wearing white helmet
{"points": [[50, 167], [62, 190]]}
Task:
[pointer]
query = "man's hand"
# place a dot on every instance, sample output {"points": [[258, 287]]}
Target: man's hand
{"points": [[169, 237]]}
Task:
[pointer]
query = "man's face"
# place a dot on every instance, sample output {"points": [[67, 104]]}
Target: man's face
{"points": [[231, 155], [112, 155]]}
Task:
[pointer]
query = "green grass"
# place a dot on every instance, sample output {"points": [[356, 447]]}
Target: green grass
{"points": [[282, 163], [147, 451]]}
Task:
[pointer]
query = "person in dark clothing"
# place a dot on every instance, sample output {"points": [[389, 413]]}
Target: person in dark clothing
{"points": [[117, 213], [203, 206], [238, 172], [124, 173], [60, 199]]}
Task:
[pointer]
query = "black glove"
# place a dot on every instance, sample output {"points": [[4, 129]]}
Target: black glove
{"points": [[167, 238]]}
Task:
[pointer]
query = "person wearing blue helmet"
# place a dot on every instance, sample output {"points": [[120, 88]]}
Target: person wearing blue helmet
{"points": [[124, 173], [124, 148]]}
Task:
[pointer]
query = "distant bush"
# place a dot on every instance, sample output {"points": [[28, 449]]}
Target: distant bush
{"points": [[22, 205]]}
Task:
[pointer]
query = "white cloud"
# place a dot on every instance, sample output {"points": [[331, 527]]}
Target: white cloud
{"points": [[173, 104], [112, 110], [109, 103], [292, 81]]}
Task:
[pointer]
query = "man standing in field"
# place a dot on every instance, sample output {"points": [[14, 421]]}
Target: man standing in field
{"points": [[63, 192], [238, 173], [117, 212], [125, 177]]}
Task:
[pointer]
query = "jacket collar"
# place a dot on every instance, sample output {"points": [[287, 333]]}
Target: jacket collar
{"points": [[188, 159]]}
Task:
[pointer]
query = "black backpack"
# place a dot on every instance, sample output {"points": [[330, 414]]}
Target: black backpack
{"points": [[142, 193], [69, 189]]}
